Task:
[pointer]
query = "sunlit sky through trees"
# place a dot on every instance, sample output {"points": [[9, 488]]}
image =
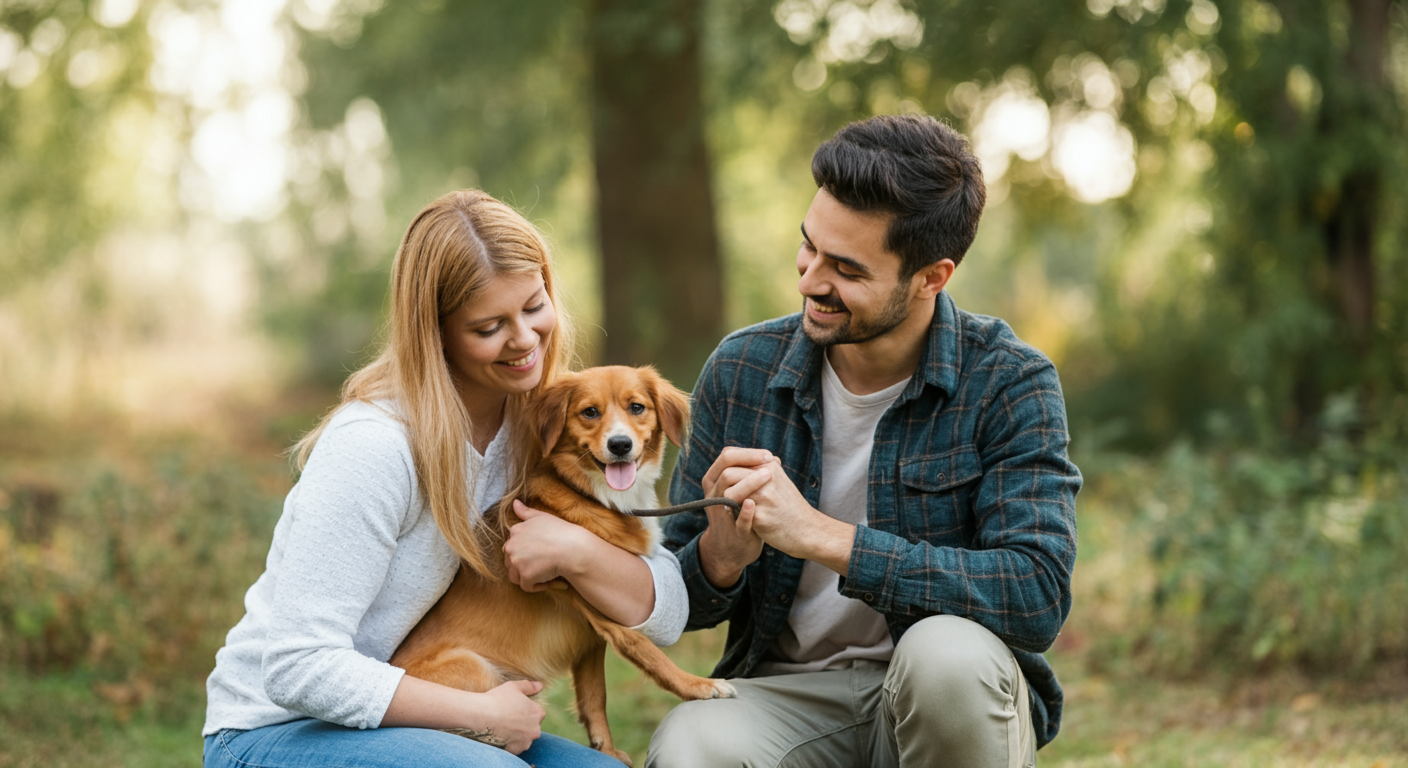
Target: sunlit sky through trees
{"points": [[211, 190]]}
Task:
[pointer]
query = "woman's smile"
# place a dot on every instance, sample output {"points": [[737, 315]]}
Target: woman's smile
{"points": [[522, 364]]}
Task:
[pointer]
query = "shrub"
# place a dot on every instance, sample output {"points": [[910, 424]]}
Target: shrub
{"points": [[134, 579], [1258, 560]]}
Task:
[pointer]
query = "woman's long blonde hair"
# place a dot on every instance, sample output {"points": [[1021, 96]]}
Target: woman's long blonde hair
{"points": [[453, 248]]}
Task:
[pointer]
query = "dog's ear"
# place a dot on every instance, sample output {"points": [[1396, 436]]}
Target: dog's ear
{"points": [[673, 407], [550, 413]]}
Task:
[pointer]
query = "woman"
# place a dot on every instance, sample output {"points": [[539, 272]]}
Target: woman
{"points": [[386, 508]]}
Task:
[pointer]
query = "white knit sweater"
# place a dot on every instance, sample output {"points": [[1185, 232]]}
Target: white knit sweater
{"points": [[355, 562]]}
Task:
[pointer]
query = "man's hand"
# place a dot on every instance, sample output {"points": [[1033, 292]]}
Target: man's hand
{"points": [[780, 514], [728, 545]]}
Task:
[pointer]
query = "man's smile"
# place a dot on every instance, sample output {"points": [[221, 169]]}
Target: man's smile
{"points": [[822, 306]]}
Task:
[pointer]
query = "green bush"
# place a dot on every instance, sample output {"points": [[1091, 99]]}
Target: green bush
{"points": [[1256, 559], [133, 580]]}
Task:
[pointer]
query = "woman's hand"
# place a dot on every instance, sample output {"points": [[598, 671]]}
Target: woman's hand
{"points": [[504, 716], [543, 547], [516, 720]]}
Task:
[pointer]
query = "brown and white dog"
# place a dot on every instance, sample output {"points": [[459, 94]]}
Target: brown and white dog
{"points": [[603, 436]]}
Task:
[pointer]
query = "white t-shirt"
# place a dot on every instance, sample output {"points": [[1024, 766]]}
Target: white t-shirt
{"points": [[356, 560], [826, 630]]}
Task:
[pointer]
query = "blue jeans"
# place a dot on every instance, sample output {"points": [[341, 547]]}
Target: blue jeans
{"points": [[311, 743]]}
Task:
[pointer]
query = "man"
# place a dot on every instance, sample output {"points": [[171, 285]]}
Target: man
{"points": [[905, 546]]}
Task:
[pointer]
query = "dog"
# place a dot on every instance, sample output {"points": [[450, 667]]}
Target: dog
{"points": [[602, 433]]}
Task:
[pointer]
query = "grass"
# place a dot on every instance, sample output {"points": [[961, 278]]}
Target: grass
{"points": [[72, 693], [60, 720], [1281, 721]]}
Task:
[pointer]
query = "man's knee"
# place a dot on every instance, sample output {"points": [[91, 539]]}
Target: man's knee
{"points": [[697, 734], [955, 696], [947, 656]]}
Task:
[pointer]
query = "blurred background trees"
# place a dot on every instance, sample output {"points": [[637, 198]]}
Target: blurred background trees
{"points": [[1197, 209], [1196, 206]]}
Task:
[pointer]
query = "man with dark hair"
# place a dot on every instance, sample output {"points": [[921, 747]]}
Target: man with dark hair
{"points": [[904, 550]]}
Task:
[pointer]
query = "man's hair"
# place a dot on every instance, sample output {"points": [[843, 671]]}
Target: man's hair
{"points": [[916, 168]]}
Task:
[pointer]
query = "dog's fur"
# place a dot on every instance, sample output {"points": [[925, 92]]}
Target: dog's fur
{"points": [[484, 632]]}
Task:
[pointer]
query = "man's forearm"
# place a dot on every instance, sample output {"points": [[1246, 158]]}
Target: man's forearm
{"points": [[828, 543], [721, 571]]}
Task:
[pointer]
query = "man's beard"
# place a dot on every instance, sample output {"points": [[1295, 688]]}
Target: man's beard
{"points": [[853, 331]]}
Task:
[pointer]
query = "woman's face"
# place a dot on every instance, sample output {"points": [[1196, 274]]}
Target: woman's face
{"points": [[495, 343]]}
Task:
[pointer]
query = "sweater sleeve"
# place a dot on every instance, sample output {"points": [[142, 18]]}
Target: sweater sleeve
{"points": [[350, 506], [666, 621]]}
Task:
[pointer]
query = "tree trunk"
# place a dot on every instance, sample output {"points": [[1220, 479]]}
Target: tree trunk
{"points": [[1351, 245], [1350, 232], [662, 284]]}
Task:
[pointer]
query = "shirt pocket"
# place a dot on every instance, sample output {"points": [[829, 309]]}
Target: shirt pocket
{"points": [[935, 504]]}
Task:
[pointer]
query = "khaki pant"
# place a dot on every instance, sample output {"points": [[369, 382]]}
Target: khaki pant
{"points": [[952, 696]]}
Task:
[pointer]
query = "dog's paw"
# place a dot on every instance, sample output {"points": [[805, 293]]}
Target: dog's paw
{"points": [[697, 688], [723, 689], [612, 752]]}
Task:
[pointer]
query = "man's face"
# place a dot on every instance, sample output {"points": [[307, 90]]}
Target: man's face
{"points": [[849, 282]]}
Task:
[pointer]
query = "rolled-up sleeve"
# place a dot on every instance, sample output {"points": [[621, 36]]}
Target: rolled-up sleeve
{"points": [[667, 618], [1015, 580]]}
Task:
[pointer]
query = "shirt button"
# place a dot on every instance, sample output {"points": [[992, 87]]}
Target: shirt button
{"points": [[782, 598], [869, 597], [941, 477], [814, 482]]}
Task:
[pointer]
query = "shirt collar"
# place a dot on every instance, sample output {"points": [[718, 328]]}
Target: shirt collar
{"points": [[800, 368]]}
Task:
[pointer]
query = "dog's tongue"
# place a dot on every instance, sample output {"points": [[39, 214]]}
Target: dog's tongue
{"points": [[621, 475]]}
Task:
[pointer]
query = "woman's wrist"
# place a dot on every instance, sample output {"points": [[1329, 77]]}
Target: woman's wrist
{"points": [[582, 559], [616, 582], [419, 703]]}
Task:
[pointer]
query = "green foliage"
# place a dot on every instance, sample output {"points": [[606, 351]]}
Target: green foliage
{"points": [[1249, 274], [55, 721], [73, 99], [134, 581], [488, 95], [1257, 560], [1293, 293]]}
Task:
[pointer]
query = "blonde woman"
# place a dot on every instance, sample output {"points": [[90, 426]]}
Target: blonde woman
{"points": [[385, 511]]}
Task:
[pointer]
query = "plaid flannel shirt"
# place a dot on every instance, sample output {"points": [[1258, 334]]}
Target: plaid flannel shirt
{"points": [[971, 504]]}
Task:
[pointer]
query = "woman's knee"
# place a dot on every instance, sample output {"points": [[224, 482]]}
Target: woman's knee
{"points": [[310, 742]]}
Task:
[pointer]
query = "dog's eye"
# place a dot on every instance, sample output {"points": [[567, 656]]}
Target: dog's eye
{"points": [[590, 413], [637, 409]]}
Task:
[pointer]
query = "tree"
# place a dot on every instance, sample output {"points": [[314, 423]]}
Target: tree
{"points": [[72, 89], [498, 90], [1276, 127], [1314, 131], [662, 281]]}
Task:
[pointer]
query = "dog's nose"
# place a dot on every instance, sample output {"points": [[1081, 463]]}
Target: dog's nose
{"points": [[619, 445]]}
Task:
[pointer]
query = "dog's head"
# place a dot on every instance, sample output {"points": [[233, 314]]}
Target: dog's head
{"points": [[608, 425]]}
